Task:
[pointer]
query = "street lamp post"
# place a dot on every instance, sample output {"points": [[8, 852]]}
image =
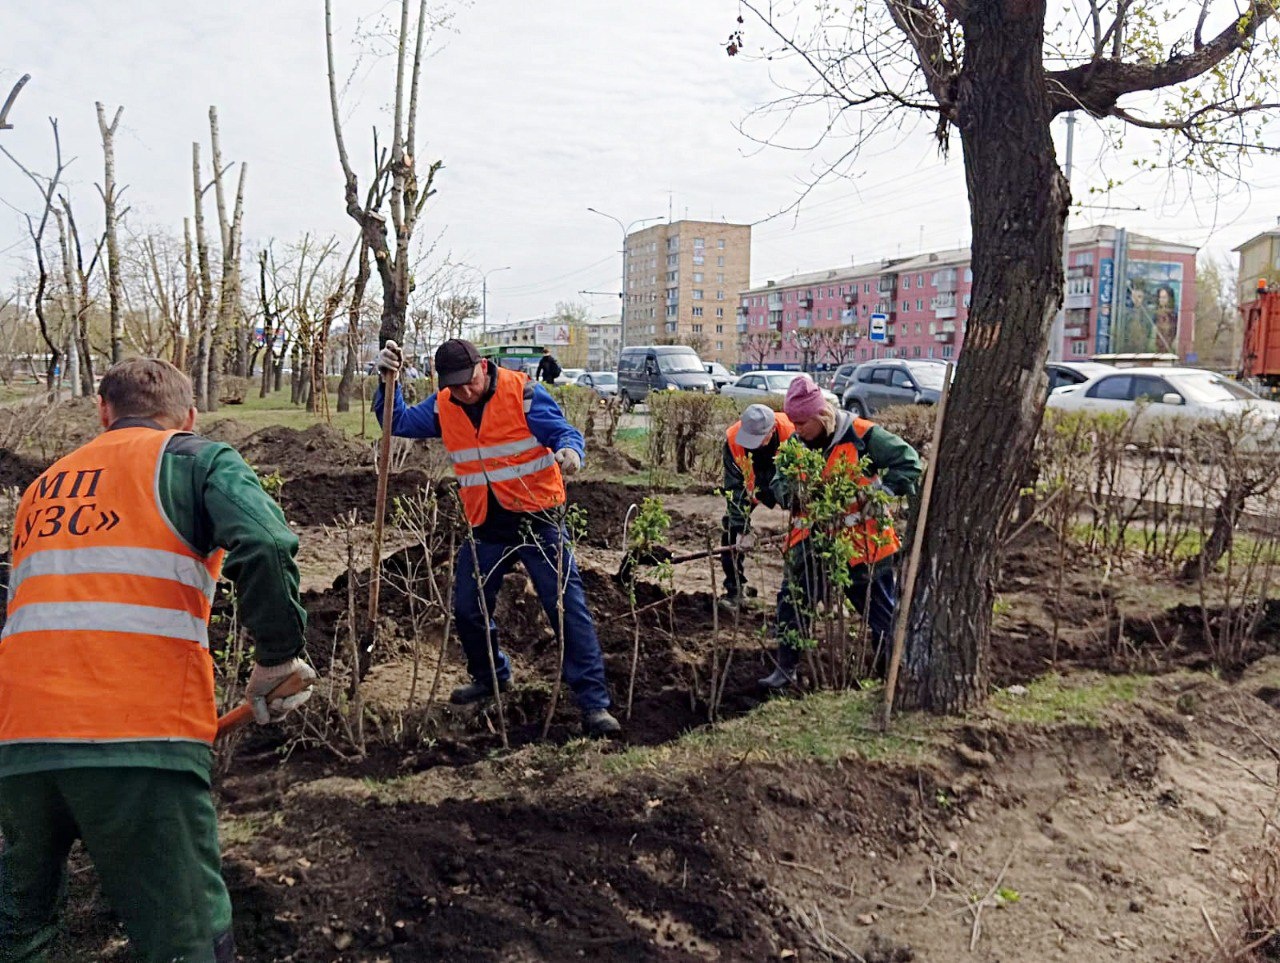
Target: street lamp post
{"points": [[484, 295], [622, 291]]}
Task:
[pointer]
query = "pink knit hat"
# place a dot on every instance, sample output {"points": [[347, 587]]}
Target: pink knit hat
{"points": [[804, 400]]}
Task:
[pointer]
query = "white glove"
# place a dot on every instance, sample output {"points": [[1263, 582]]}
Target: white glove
{"points": [[569, 461], [264, 678], [746, 541], [390, 358]]}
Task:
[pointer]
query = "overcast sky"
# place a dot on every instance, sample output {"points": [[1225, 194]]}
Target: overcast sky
{"points": [[538, 111]]}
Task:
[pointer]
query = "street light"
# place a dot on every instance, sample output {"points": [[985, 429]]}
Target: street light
{"points": [[622, 291], [484, 295]]}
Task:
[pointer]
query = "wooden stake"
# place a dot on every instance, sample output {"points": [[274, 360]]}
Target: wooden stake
{"points": [[380, 502], [913, 563]]}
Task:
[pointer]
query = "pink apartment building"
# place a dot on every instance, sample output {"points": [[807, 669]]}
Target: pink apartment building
{"points": [[1125, 293]]}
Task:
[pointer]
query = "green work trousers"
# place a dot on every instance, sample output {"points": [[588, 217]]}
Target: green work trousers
{"points": [[153, 837]]}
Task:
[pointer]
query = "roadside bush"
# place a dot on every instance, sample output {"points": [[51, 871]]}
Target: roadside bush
{"points": [[686, 431], [580, 406], [233, 390], [912, 423]]}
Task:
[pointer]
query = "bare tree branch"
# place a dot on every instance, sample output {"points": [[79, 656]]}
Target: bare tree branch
{"points": [[8, 102]]}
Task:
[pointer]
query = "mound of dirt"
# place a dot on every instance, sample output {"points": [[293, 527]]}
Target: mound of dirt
{"points": [[17, 471], [321, 498], [317, 448]]}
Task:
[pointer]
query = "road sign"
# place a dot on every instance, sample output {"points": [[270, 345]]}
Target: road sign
{"points": [[879, 328]]}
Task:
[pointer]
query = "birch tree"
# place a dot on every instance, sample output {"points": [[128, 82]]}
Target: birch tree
{"points": [[109, 198]]}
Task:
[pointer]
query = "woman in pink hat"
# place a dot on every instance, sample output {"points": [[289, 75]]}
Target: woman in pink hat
{"points": [[894, 466]]}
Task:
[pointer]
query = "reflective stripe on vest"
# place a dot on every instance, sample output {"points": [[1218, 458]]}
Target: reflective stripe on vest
{"points": [[870, 540], [107, 632], [502, 456]]}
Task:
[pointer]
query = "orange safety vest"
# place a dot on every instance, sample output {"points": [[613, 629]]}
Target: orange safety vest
{"points": [[502, 456], [107, 632], [871, 540], [785, 429]]}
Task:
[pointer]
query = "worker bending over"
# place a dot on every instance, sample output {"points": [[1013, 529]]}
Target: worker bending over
{"points": [[510, 446], [894, 466], [107, 713], [749, 446]]}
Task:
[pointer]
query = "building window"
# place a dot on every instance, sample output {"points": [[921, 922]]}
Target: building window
{"points": [[719, 295], [697, 294], [866, 287], [1079, 347], [697, 328], [719, 312], [699, 242], [931, 351], [828, 314], [906, 305], [919, 304], [948, 350], [906, 282], [673, 277], [720, 261], [1086, 257], [697, 312], [697, 277], [719, 279], [719, 329], [915, 351], [719, 345], [919, 280], [968, 274], [918, 327], [966, 300], [720, 243]]}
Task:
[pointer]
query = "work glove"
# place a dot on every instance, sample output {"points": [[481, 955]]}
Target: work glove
{"points": [[390, 358], [569, 461], [265, 678], [746, 541]]}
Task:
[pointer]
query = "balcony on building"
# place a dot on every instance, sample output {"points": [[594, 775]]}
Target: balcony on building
{"points": [[945, 333], [743, 311], [887, 284], [775, 302], [672, 327], [946, 280], [804, 303], [888, 309], [851, 298], [673, 300], [849, 316], [775, 318], [742, 326], [944, 306], [1077, 300]]}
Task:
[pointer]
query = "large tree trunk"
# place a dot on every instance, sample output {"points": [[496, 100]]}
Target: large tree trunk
{"points": [[1018, 201], [109, 197]]}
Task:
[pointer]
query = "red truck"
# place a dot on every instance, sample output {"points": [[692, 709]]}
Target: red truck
{"points": [[1260, 358]]}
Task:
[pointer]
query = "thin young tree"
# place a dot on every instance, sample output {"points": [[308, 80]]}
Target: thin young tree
{"points": [[111, 220], [998, 72], [227, 324]]}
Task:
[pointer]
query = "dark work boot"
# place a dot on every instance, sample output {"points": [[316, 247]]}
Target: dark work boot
{"points": [[600, 724], [777, 680], [474, 692]]}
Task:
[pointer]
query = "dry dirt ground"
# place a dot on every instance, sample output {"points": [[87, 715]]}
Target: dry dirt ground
{"points": [[1106, 812]]}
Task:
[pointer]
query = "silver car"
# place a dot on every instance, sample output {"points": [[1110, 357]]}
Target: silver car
{"points": [[758, 385], [604, 383]]}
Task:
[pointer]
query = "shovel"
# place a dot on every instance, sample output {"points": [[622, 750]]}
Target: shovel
{"points": [[243, 713], [656, 555]]}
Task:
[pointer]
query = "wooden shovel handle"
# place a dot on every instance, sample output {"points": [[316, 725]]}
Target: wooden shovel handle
{"points": [[243, 713]]}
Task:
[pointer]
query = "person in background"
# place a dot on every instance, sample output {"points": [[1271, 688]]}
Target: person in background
{"points": [[548, 367], [107, 712], [893, 466], [749, 446], [511, 448]]}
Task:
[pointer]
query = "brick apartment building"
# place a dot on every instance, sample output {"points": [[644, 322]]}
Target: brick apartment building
{"points": [[1125, 293], [682, 285]]}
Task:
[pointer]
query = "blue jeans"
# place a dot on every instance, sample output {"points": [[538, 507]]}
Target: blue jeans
{"points": [[873, 592], [583, 661]]}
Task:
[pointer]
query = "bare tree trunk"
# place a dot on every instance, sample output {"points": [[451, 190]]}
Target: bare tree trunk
{"points": [[351, 359], [229, 229], [109, 197], [1015, 190], [204, 322]]}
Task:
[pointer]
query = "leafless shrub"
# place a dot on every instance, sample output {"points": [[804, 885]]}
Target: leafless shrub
{"points": [[686, 432]]}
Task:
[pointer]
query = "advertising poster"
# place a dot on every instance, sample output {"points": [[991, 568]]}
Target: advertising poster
{"points": [[1147, 320]]}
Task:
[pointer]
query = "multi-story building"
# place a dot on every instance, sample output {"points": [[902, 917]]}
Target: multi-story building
{"points": [[592, 344], [682, 283], [1125, 293], [1259, 258]]}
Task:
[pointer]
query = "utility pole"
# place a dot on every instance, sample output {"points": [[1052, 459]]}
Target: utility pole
{"points": [[484, 295], [1058, 332], [622, 291]]}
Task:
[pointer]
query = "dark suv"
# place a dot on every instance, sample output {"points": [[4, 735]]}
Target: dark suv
{"points": [[880, 384], [841, 380]]}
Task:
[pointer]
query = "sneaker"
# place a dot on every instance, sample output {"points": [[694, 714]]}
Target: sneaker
{"points": [[777, 680], [473, 692], [731, 602], [600, 724]]}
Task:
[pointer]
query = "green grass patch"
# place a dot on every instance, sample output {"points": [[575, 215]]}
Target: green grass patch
{"points": [[1050, 700], [275, 409], [823, 727]]}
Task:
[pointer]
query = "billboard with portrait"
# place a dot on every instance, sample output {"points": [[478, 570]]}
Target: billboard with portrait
{"points": [[1146, 319]]}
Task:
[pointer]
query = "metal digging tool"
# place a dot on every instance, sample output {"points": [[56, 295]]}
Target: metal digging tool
{"points": [[656, 555], [244, 712]]}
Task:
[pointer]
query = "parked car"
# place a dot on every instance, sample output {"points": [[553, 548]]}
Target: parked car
{"points": [[840, 381], [1074, 372], [757, 385], [720, 375], [892, 381], [605, 383], [659, 367], [568, 376], [1155, 395]]}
